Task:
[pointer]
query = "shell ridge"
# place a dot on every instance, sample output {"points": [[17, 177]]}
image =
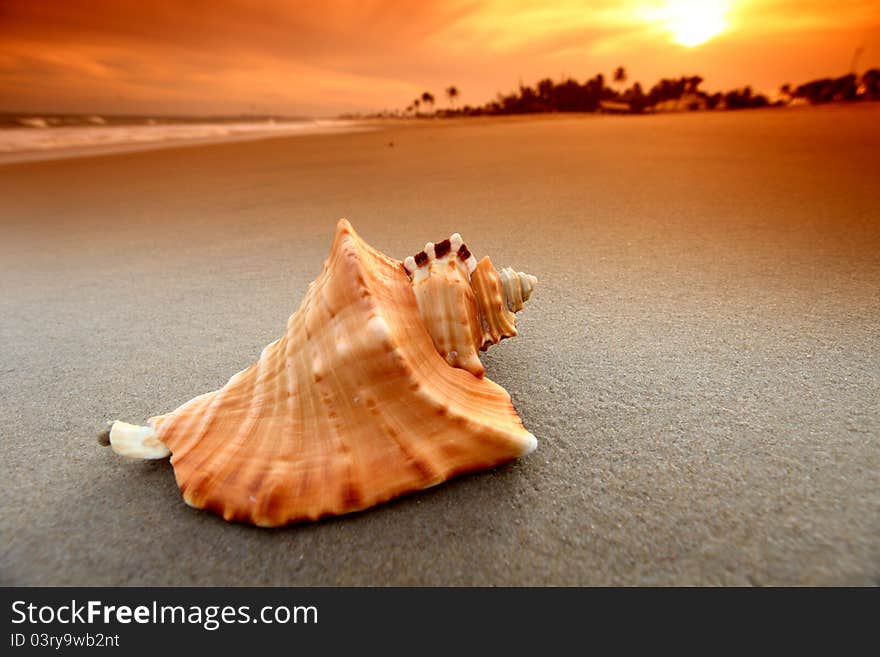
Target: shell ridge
{"points": [[246, 434], [305, 474], [318, 422], [179, 439], [328, 384], [421, 473], [338, 385], [269, 490], [224, 448], [435, 398], [280, 490], [318, 468]]}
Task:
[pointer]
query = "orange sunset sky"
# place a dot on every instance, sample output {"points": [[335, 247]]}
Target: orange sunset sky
{"points": [[325, 57]]}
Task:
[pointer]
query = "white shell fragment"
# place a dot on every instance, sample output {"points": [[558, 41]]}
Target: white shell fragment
{"points": [[136, 442]]}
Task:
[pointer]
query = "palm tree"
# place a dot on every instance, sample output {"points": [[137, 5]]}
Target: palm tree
{"points": [[620, 76], [428, 98], [416, 104], [452, 94]]}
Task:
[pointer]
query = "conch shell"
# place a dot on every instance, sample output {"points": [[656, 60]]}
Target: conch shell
{"points": [[374, 390]]}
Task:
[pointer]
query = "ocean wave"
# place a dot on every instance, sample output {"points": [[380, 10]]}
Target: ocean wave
{"points": [[33, 122], [37, 134]]}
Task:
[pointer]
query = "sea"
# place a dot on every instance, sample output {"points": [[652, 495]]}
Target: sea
{"points": [[25, 137]]}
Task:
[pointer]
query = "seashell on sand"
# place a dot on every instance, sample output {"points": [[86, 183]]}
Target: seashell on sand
{"points": [[374, 390]]}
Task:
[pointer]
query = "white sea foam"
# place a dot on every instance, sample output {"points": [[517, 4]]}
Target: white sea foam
{"points": [[39, 141], [34, 122]]}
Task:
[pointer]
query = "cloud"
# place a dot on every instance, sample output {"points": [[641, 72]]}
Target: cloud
{"points": [[229, 56]]}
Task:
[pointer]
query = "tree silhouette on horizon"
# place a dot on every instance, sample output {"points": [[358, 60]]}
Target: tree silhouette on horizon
{"points": [[620, 75], [452, 94], [667, 94]]}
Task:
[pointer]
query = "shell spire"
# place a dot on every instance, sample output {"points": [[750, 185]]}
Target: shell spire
{"points": [[518, 287], [352, 406], [467, 306]]}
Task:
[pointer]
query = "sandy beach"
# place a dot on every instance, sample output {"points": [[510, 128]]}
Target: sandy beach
{"points": [[700, 362]]}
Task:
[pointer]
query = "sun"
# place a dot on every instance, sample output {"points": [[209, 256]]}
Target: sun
{"points": [[692, 22]]}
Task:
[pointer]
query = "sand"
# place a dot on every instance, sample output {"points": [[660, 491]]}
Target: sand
{"points": [[700, 362]]}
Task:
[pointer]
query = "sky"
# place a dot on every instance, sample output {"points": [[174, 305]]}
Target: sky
{"points": [[326, 57]]}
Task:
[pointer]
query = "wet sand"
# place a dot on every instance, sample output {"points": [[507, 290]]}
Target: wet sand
{"points": [[700, 361]]}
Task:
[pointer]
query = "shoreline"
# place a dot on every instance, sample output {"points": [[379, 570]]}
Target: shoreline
{"points": [[272, 131], [375, 124]]}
